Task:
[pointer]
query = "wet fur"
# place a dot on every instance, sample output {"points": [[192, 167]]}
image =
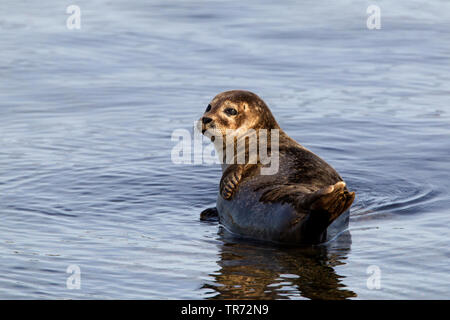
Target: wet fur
{"points": [[307, 183]]}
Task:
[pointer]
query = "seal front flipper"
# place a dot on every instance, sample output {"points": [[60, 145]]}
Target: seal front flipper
{"points": [[210, 214], [325, 206], [230, 180], [333, 200]]}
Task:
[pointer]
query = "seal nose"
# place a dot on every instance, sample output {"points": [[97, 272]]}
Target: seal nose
{"points": [[206, 120]]}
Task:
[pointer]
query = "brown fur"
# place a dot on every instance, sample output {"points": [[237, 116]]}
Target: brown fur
{"points": [[308, 183]]}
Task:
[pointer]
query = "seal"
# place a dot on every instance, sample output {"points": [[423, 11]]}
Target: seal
{"points": [[302, 202]]}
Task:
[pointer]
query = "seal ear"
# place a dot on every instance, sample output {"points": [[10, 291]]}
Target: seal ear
{"points": [[245, 105]]}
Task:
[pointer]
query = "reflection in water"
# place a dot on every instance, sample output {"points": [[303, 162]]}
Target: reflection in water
{"points": [[86, 119], [252, 270]]}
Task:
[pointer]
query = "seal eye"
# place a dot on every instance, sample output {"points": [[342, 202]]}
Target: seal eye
{"points": [[230, 111], [208, 108]]}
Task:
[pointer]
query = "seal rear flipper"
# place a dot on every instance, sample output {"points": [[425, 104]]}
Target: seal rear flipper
{"points": [[325, 206], [210, 214]]}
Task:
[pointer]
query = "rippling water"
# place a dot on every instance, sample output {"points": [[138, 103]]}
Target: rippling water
{"points": [[86, 118]]}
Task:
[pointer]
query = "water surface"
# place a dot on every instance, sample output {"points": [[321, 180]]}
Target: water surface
{"points": [[86, 118]]}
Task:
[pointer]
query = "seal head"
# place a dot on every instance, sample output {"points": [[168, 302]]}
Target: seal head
{"points": [[233, 113]]}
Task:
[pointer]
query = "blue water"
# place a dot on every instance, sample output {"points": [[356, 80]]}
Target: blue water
{"points": [[86, 118]]}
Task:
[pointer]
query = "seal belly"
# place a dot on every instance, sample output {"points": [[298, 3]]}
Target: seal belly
{"points": [[247, 217]]}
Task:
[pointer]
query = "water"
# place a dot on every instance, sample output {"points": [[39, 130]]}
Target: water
{"points": [[86, 118]]}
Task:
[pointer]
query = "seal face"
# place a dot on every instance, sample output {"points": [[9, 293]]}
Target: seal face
{"points": [[297, 203]]}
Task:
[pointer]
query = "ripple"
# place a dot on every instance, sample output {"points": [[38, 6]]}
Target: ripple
{"points": [[85, 127], [387, 195]]}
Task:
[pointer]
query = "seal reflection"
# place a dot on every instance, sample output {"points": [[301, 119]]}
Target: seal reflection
{"points": [[250, 270]]}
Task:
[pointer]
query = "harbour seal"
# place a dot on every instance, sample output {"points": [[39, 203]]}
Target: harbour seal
{"points": [[296, 204]]}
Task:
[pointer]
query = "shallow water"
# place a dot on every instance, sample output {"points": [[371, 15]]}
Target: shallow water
{"points": [[86, 118]]}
